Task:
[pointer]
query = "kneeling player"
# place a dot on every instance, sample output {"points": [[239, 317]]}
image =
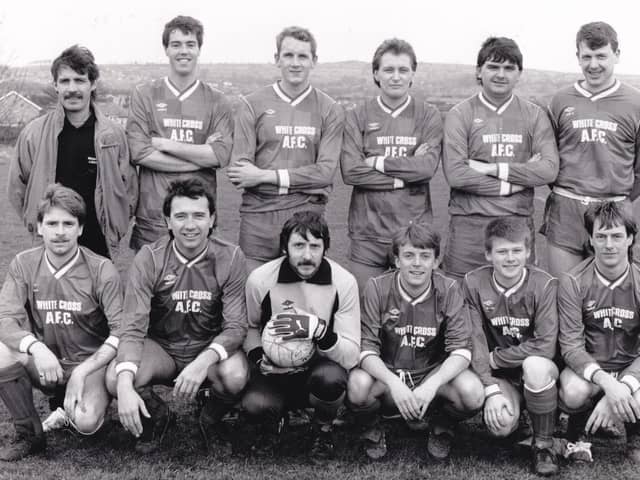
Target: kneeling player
{"points": [[60, 308], [303, 295], [599, 317], [513, 312], [416, 347], [184, 321]]}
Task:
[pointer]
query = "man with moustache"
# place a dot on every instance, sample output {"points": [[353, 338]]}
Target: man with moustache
{"points": [[77, 146], [179, 127], [391, 150], [286, 148]]}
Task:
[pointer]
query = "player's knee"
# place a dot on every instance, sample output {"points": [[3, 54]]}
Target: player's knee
{"points": [[259, 405], [506, 430], [470, 391], [358, 387], [538, 372], [328, 381], [111, 379], [89, 420], [234, 377], [574, 391]]}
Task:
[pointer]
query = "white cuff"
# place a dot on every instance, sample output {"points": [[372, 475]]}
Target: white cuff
{"points": [[126, 367], [503, 171], [631, 382], [220, 350], [463, 352], [505, 188], [112, 341], [26, 342], [284, 182], [398, 183], [378, 163], [365, 354], [589, 370], [492, 389]]}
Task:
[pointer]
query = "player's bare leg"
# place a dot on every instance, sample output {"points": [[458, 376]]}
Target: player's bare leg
{"points": [[228, 379], [541, 397], [362, 394], [456, 401], [561, 260], [16, 392], [576, 399]]}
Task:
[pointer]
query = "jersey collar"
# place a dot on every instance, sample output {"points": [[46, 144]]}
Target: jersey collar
{"points": [[616, 282], [597, 96], [507, 292], [499, 110], [186, 261], [394, 113], [59, 272], [186, 93], [407, 297], [291, 101], [288, 275]]}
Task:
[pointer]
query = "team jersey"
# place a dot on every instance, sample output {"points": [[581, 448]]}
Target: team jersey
{"points": [[599, 319], [300, 138], [331, 294], [395, 190], [598, 139], [414, 334], [513, 323], [159, 109], [509, 136], [185, 305], [73, 309]]}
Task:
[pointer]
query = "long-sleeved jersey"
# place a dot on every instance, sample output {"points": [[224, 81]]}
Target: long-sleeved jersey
{"points": [[73, 309], [186, 305], [599, 319], [331, 294], [511, 324], [395, 190], [598, 140], [414, 334], [507, 136], [159, 109], [300, 138]]}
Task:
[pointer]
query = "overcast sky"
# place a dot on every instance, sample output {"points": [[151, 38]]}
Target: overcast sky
{"points": [[240, 31]]}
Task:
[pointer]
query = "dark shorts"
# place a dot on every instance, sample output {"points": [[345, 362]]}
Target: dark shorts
{"points": [[564, 225], [259, 236], [511, 375], [370, 252], [465, 248]]}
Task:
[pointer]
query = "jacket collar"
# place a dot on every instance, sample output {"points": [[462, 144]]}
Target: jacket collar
{"points": [[287, 274]]}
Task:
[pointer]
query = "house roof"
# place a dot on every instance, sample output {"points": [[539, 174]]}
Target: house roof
{"points": [[21, 97]]}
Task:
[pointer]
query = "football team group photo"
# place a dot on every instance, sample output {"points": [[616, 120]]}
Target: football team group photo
{"points": [[475, 305]]}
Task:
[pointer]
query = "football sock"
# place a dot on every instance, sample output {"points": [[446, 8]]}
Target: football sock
{"points": [[542, 405], [366, 415], [17, 393], [325, 411], [218, 405], [577, 419]]}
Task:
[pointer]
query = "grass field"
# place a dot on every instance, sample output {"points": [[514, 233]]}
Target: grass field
{"points": [[108, 455]]}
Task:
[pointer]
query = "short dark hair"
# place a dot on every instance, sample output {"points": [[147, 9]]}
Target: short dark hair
{"points": [[299, 33], [80, 60], [508, 228], [185, 25], [597, 35], [188, 187], [397, 47], [610, 214], [499, 49], [64, 198], [419, 235], [303, 223]]}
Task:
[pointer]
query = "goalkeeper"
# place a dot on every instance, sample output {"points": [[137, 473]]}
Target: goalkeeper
{"points": [[302, 295]]}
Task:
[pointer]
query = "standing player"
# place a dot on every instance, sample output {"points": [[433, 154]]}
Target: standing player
{"points": [[79, 147], [497, 147], [391, 150], [416, 347], [303, 295], [599, 315], [178, 127], [515, 322], [288, 138], [597, 125], [60, 310], [184, 321]]}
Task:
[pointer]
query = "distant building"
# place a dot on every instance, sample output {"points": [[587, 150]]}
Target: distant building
{"points": [[17, 110]]}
